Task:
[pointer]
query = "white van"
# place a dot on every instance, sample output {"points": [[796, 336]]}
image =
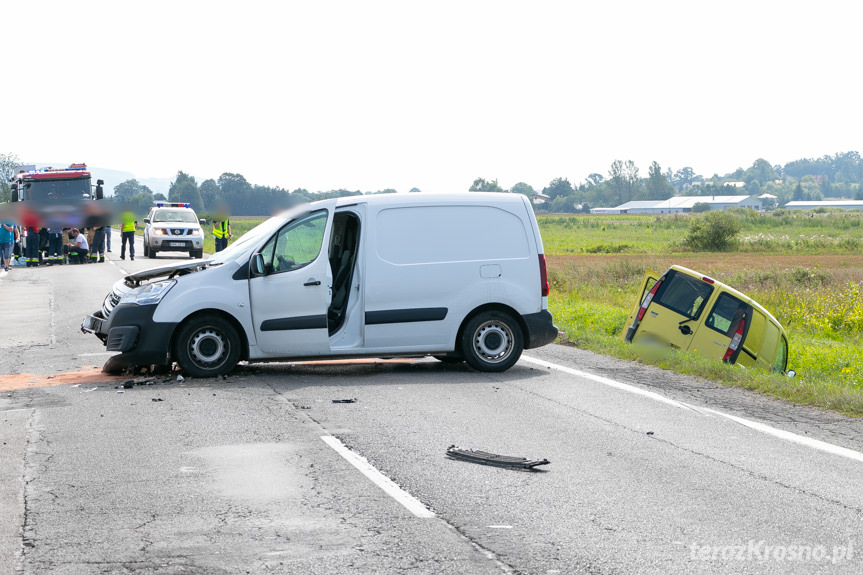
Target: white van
{"points": [[461, 277]]}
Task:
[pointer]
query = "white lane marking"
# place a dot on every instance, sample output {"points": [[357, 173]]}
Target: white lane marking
{"points": [[388, 485], [610, 383], [760, 427]]}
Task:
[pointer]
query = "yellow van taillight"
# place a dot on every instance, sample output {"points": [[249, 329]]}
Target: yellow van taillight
{"points": [[648, 299], [735, 341], [543, 276]]}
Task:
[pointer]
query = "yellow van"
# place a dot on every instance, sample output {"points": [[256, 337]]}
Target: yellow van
{"points": [[685, 310]]}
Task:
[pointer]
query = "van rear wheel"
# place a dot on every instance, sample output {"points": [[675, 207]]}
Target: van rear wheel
{"points": [[492, 341], [207, 346]]}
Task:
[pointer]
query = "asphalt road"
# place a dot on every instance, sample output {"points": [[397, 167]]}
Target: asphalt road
{"points": [[270, 470]]}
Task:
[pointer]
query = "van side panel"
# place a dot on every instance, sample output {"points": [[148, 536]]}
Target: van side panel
{"points": [[430, 265], [444, 234]]}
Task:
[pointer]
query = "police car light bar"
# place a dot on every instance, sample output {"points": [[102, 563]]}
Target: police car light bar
{"points": [[172, 205]]}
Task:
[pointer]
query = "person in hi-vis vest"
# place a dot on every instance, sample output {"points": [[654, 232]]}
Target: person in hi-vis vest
{"points": [[128, 225], [221, 233]]}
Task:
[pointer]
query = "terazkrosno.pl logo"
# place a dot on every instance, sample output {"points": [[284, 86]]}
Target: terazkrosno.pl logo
{"points": [[760, 550]]}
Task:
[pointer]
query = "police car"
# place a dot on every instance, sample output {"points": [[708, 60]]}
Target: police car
{"points": [[173, 227]]}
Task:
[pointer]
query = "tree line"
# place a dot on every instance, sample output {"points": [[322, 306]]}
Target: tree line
{"points": [[836, 176]]}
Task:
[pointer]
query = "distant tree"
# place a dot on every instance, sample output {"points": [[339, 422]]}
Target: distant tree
{"points": [[701, 207], [522, 188], [595, 179], [558, 188], [236, 193], [9, 164], [683, 178], [414, 191], [130, 189], [761, 172], [811, 189], [135, 195], [562, 205], [753, 188], [185, 189], [798, 192], [623, 181], [481, 185], [657, 186], [211, 194]]}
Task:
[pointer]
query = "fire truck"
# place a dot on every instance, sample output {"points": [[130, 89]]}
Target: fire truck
{"points": [[50, 185]]}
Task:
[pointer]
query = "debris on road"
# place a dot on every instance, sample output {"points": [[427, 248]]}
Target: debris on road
{"points": [[354, 400], [485, 458]]}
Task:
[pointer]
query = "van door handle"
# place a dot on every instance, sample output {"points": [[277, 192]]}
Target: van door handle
{"points": [[312, 283], [685, 330]]}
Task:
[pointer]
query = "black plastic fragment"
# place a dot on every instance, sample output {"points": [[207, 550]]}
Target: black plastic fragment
{"points": [[354, 400], [485, 458]]}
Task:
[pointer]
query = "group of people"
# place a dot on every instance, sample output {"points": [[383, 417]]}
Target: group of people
{"points": [[46, 246], [53, 245]]}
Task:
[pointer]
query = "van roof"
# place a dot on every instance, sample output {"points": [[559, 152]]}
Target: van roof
{"points": [[729, 289], [420, 198]]}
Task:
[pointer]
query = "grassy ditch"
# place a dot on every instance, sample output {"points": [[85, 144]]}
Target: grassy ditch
{"points": [[812, 282]]}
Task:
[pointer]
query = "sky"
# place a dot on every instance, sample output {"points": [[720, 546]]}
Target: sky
{"points": [[371, 95]]}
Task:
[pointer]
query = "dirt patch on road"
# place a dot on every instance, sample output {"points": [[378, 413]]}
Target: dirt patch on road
{"points": [[28, 380]]}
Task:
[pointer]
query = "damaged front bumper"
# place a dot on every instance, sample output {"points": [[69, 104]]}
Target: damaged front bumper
{"points": [[130, 330]]}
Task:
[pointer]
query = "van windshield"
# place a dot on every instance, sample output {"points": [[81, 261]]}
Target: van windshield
{"points": [[247, 242], [683, 294]]}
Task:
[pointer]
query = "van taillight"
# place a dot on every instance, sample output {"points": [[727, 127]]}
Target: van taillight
{"points": [[543, 276], [648, 299], [735, 341]]}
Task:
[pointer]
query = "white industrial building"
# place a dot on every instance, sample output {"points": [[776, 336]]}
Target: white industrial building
{"points": [[679, 204]]}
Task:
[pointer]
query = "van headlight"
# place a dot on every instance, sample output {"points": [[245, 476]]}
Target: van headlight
{"points": [[149, 294]]}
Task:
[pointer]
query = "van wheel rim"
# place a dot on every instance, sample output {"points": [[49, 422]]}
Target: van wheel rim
{"points": [[493, 341], [207, 347]]}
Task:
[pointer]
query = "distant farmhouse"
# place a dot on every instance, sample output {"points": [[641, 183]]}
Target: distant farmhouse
{"points": [[679, 204]]}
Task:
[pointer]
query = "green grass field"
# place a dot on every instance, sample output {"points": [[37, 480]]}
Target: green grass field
{"points": [[806, 269]]}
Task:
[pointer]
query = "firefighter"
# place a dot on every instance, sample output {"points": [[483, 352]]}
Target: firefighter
{"points": [[55, 245], [97, 247], [31, 225]]}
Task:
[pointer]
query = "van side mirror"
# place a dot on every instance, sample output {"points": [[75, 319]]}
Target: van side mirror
{"points": [[202, 221], [99, 191], [146, 220], [259, 268]]}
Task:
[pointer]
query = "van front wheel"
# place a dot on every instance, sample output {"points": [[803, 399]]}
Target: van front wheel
{"points": [[492, 341], [207, 346]]}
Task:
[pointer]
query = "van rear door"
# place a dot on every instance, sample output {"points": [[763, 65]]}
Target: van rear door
{"points": [[650, 279], [727, 318], [670, 310]]}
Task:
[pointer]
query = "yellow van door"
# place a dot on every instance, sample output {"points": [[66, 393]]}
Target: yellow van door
{"points": [[721, 323], [650, 279], [671, 310]]}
